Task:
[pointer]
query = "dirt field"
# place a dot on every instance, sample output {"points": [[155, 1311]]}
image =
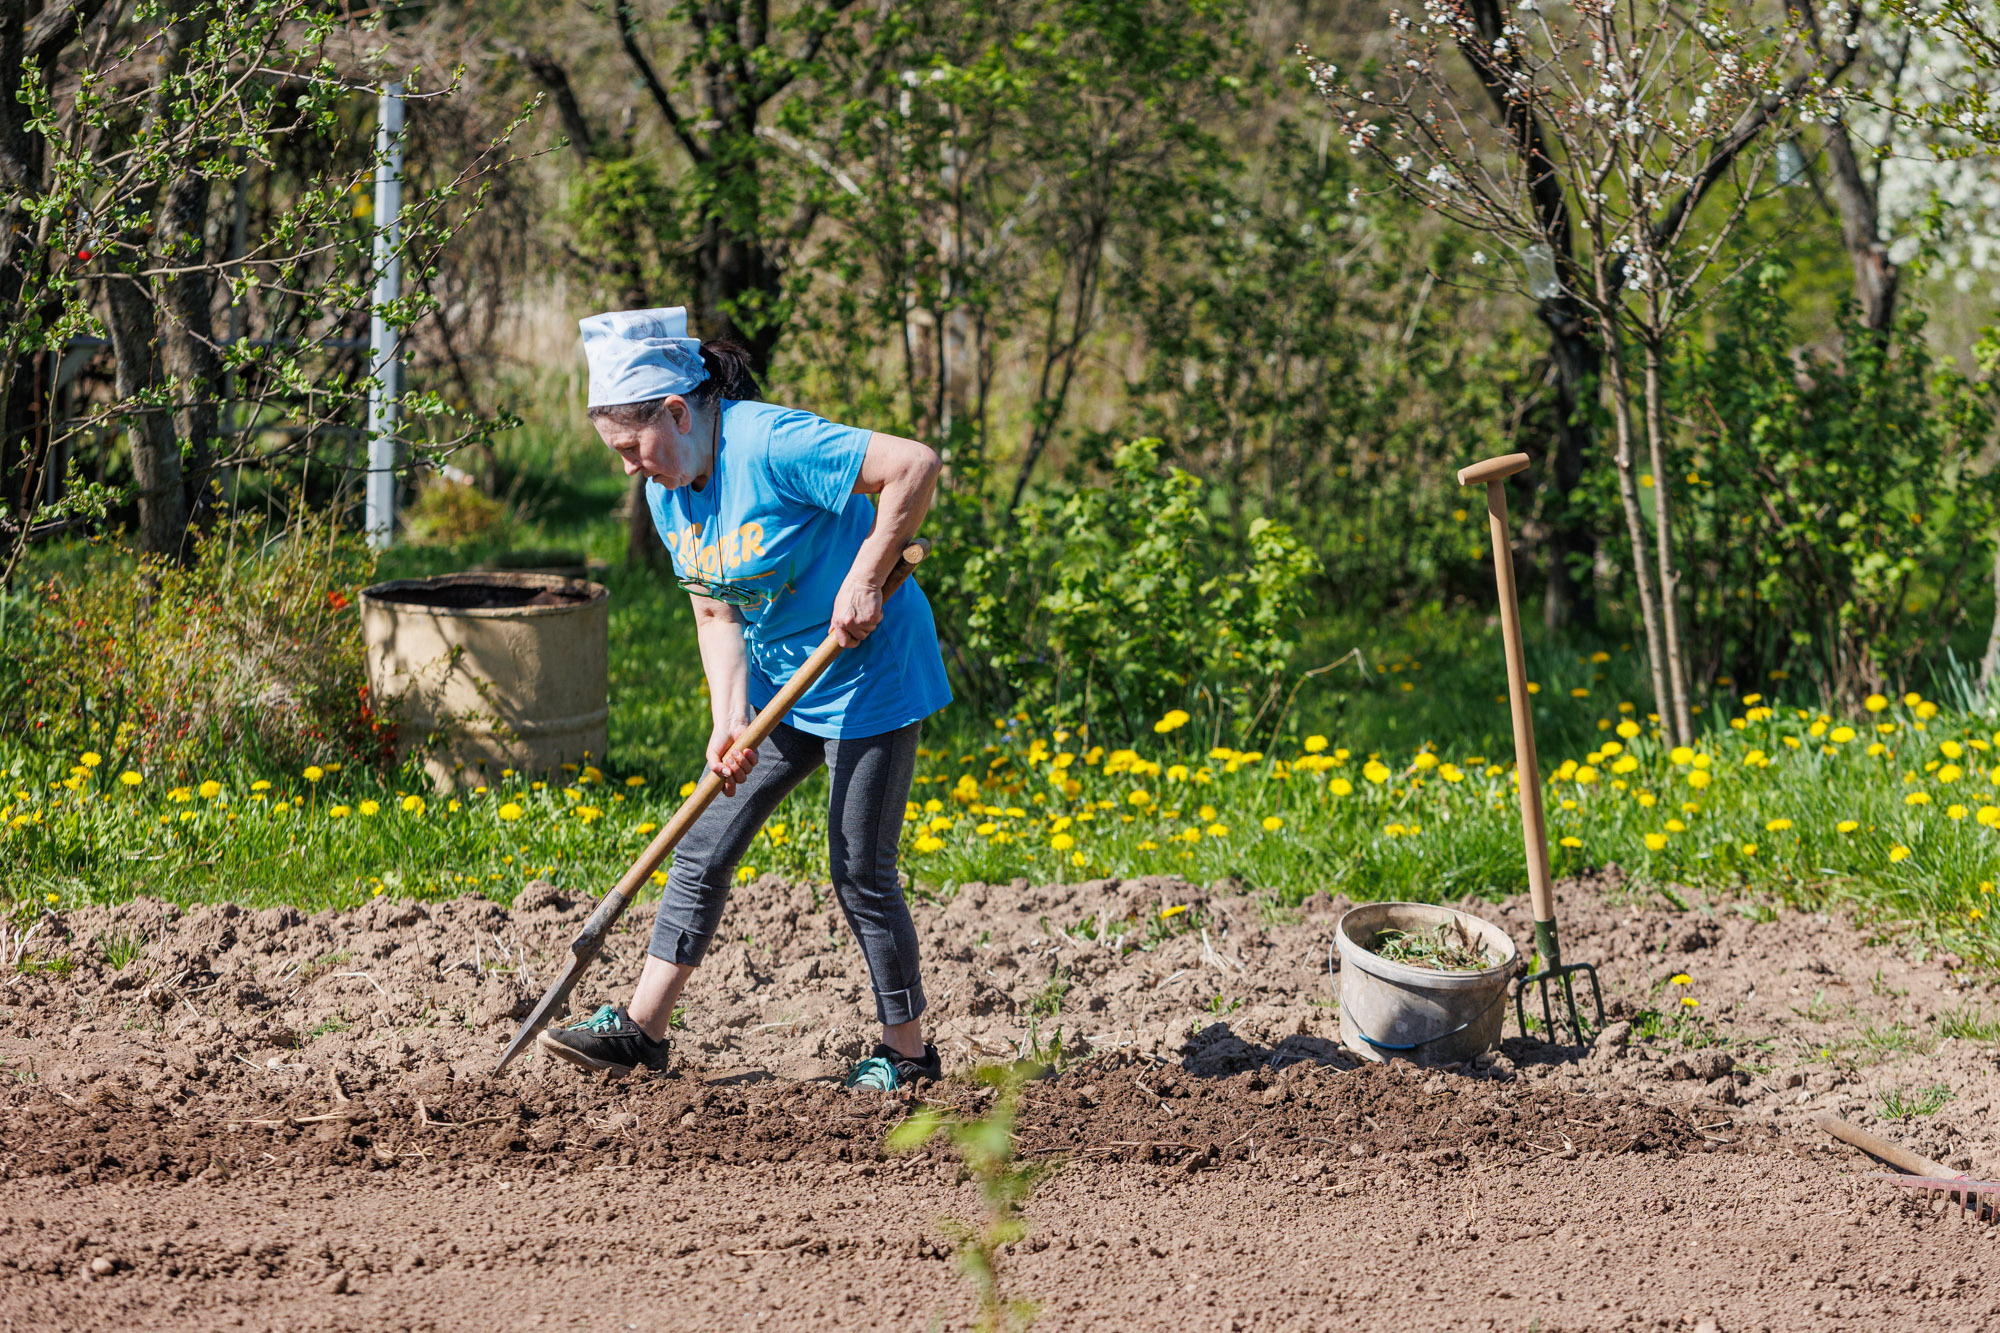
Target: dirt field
{"points": [[271, 1121]]}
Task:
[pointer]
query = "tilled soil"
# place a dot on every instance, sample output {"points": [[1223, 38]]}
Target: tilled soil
{"points": [[288, 1122]]}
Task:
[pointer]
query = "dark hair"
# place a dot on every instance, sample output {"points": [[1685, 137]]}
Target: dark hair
{"points": [[729, 376]]}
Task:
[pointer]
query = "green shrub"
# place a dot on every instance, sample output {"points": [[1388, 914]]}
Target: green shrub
{"points": [[250, 654], [1838, 514], [1124, 602], [451, 513]]}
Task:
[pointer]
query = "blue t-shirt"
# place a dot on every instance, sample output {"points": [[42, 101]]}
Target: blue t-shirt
{"points": [[779, 516]]}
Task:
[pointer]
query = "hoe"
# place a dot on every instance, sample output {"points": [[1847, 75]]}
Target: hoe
{"points": [[589, 941]]}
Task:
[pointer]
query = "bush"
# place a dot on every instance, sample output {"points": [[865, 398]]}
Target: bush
{"points": [[452, 513], [250, 655], [1125, 602], [1838, 512]]}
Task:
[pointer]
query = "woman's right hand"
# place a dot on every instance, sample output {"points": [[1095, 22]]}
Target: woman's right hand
{"points": [[726, 759]]}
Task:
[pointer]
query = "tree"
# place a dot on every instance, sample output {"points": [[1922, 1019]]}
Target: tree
{"points": [[1616, 122], [129, 127]]}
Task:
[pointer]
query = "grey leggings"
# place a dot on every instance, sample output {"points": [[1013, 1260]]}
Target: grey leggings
{"points": [[871, 784]]}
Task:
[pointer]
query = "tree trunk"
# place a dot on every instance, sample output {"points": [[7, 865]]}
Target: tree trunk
{"points": [[1635, 529], [193, 368], [1571, 599], [1663, 543], [156, 454], [1876, 278]]}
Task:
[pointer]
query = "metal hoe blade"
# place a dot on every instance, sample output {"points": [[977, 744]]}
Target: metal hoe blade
{"points": [[583, 951]]}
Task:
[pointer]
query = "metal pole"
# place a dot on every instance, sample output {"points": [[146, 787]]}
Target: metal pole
{"points": [[385, 361]]}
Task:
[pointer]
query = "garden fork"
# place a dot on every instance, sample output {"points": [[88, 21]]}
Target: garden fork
{"points": [[1528, 776]]}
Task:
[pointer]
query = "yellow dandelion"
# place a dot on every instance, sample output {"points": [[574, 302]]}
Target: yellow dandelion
{"points": [[1314, 744], [1168, 913], [1988, 816], [589, 814], [1375, 771], [1698, 779], [1955, 812], [1875, 703], [1062, 842], [1777, 826], [1656, 842], [339, 812], [1571, 842], [1218, 830], [1899, 853], [1174, 720], [210, 789], [1846, 826], [1340, 787], [1688, 1001], [1139, 796], [928, 843], [1680, 754], [1748, 848], [1272, 823], [687, 790], [369, 808], [90, 759], [510, 811], [413, 805], [1917, 798], [1680, 979], [130, 778]]}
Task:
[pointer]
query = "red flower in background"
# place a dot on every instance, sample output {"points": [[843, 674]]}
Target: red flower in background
{"points": [[337, 600]]}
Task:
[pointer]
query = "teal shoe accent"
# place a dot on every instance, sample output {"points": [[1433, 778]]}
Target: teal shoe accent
{"points": [[607, 1020], [875, 1073]]}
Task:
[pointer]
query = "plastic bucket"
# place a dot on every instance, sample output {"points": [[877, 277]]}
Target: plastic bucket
{"points": [[1392, 1010]]}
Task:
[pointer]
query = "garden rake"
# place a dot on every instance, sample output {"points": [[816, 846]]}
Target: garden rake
{"points": [[1528, 776], [589, 941]]}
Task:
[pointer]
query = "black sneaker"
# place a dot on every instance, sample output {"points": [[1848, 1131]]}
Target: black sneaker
{"points": [[608, 1040], [885, 1071]]}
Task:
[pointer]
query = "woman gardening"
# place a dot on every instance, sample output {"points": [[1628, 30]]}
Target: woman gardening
{"points": [[764, 511]]}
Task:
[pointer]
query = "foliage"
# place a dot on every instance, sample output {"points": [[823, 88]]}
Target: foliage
{"points": [[1123, 603], [451, 513], [251, 649], [127, 137], [1837, 507], [986, 1145]]}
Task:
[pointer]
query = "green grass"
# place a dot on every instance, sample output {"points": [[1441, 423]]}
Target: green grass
{"points": [[1969, 1023], [1389, 776], [1908, 1103]]}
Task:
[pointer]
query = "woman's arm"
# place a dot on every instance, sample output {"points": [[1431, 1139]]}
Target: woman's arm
{"points": [[904, 473], [719, 631]]}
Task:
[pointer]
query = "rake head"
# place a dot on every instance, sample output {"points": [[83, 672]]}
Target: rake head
{"points": [[1556, 973], [1976, 1198]]}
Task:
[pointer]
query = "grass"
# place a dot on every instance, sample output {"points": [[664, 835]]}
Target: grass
{"points": [[120, 948], [1389, 777], [1907, 1104], [1969, 1023]]}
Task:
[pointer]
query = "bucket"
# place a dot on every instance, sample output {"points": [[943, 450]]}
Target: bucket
{"points": [[1394, 1010], [503, 670]]}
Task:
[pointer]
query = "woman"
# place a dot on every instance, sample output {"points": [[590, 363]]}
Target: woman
{"points": [[764, 510]]}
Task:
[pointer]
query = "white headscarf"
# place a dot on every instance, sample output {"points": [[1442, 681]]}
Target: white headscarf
{"points": [[637, 355]]}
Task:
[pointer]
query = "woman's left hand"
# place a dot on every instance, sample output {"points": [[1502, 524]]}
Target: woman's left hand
{"points": [[857, 610]]}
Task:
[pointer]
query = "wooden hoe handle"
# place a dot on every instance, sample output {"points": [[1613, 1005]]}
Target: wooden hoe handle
{"points": [[1528, 774]]}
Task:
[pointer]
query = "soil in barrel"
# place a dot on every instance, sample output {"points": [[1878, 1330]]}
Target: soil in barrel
{"points": [[482, 596]]}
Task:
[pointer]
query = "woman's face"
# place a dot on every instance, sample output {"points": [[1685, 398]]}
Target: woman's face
{"points": [[672, 449]]}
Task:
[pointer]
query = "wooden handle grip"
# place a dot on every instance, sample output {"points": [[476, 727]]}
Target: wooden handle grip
{"points": [[1493, 469], [760, 727], [1909, 1163]]}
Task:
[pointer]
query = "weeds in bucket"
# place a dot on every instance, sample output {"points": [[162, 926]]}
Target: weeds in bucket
{"points": [[985, 1145], [1447, 947]]}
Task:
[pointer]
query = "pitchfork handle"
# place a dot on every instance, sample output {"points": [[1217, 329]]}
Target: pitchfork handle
{"points": [[1528, 774]]}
